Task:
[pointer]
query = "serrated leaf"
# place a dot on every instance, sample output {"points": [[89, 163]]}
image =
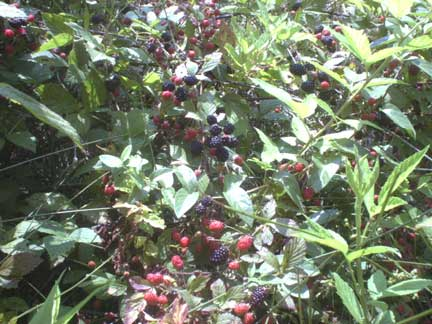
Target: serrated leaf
{"points": [[40, 111], [300, 130], [239, 200], [227, 318], [270, 150], [349, 298], [322, 172], [187, 177], [398, 8], [111, 161], [383, 54], [406, 287], [217, 288], [300, 109], [184, 201], [399, 118], [332, 74], [291, 187], [355, 41], [57, 41], [377, 283], [211, 61], [57, 246], [294, 253]]}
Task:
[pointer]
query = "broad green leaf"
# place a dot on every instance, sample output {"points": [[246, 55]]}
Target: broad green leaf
{"points": [[383, 54], [187, 177], [426, 223], [425, 66], [398, 8], [377, 283], [421, 42], [399, 175], [291, 187], [111, 161], [24, 139], [300, 109], [125, 155], [406, 287], [184, 201], [355, 41], [57, 41], [371, 250], [349, 299], [40, 111], [323, 171], [239, 200], [211, 61], [58, 98], [300, 130], [49, 310], [294, 252], [270, 151], [85, 235], [399, 118], [18, 265], [57, 246]]}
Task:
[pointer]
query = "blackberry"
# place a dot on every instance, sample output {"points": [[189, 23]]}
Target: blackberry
{"points": [[190, 80], [215, 130], [327, 40], [233, 142], [325, 95], [322, 76], [229, 129], [206, 201], [181, 94], [222, 154], [168, 86], [215, 141], [219, 256], [309, 67], [318, 29], [297, 5], [113, 82], [151, 47], [297, 69], [308, 86], [200, 209], [166, 36], [196, 148], [17, 22], [226, 140], [97, 19], [211, 119], [258, 296]]}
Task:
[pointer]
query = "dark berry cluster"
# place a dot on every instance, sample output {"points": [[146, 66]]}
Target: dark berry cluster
{"points": [[202, 206], [258, 296], [219, 138], [219, 256], [297, 69]]}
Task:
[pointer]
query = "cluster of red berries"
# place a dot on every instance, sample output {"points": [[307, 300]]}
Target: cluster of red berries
{"points": [[153, 299], [109, 189], [324, 35]]}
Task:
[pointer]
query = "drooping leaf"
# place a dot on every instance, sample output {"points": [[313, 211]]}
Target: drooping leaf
{"points": [[184, 201], [399, 118], [40, 111], [49, 310], [349, 299], [323, 171]]}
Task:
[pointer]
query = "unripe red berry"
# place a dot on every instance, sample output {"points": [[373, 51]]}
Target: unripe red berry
{"points": [[299, 167], [109, 190], [308, 193], [338, 29], [31, 18], [167, 95], [381, 19], [234, 265], [210, 46], [177, 262], [91, 264], [244, 243], [163, 300], [372, 101], [326, 32], [193, 40], [184, 241], [394, 64], [205, 23], [198, 173], [116, 92], [165, 124], [238, 160], [249, 318], [216, 226], [325, 85], [191, 54], [9, 33], [241, 309], [151, 298]]}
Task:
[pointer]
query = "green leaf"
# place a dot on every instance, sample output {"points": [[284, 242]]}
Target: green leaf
{"points": [[355, 41], [49, 310], [300, 109], [371, 250], [40, 111], [377, 283], [383, 54], [85, 235], [291, 187], [111, 161], [127, 151], [294, 253], [57, 246], [331, 73], [421, 42], [58, 98], [300, 130], [18, 265], [425, 66], [323, 171], [406, 287], [239, 200], [184, 201], [270, 151], [399, 118], [57, 41], [349, 299], [398, 8], [211, 61], [399, 175], [187, 178], [24, 139], [217, 288]]}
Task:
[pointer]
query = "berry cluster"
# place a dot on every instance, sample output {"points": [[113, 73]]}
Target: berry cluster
{"points": [[219, 256], [219, 138], [202, 206]]}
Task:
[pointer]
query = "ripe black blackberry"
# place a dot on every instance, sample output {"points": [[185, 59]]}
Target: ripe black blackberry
{"points": [[181, 94], [297, 69], [200, 209], [219, 256], [17, 22], [308, 86], [222, 154], [215, 141], [327, 40], [207, 201], [151, 47], [322, 76], [168, 86], [229, 129], [318, 29], [258, 296], [190, 80], [196, 148], [211, 119], [297, 5], [233, 142], [215, 130]]}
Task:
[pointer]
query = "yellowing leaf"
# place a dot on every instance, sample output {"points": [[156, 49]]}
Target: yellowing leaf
{"points": [[398, 8]]}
